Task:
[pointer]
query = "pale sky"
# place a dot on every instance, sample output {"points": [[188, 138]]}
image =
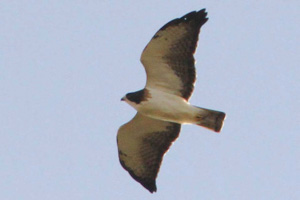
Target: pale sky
{"points": [[65, 65]]}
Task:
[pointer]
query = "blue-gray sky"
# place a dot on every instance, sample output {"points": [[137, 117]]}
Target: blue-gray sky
{"points": [[64, 65]]}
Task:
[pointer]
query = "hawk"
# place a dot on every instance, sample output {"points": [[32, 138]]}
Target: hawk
{"points": [[162, 106]]}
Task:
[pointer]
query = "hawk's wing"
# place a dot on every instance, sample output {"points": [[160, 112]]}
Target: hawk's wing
{"points": [[168, 58], [142, 143]]}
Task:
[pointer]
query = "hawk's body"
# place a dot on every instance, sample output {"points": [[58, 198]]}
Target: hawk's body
{"points": [[168, 107], [162, 106]]}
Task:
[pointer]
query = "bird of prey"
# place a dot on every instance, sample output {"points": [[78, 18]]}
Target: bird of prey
{"points": [[162, 106]]}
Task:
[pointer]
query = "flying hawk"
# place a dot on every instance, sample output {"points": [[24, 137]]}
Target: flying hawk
{"points": [[162, 106]]}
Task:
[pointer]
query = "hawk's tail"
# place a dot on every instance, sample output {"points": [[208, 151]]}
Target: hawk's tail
{"points": [[210, 119]]}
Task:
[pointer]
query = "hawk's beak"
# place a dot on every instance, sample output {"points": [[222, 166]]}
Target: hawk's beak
{"points": [[123, 99]]}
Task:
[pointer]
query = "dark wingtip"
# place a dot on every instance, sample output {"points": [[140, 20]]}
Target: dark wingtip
{"points": [[203, 15], [151, 190], [199, 16], [149, 185]]}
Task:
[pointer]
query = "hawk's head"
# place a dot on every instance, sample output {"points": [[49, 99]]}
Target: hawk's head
{"points": [[135, 98]]}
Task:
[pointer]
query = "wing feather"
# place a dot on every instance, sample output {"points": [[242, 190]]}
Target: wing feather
{"points": [[142, 143], [168, 58]]}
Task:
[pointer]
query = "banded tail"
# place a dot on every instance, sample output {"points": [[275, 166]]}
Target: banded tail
{"points": [[210, 119]]}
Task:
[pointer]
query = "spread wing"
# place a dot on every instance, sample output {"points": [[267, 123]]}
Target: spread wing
{"points": [[142, 143], [168, 58]]}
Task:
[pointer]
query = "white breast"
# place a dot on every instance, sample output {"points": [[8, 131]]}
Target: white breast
{"points": [[167, 107]]}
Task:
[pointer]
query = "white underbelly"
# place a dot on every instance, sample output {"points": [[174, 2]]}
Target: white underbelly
{"points": [[167, 107]]}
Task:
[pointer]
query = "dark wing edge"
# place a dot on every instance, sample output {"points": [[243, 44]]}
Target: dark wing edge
{"points": [[195, 21], [200, 16], [179, 54], [149, 140]]}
